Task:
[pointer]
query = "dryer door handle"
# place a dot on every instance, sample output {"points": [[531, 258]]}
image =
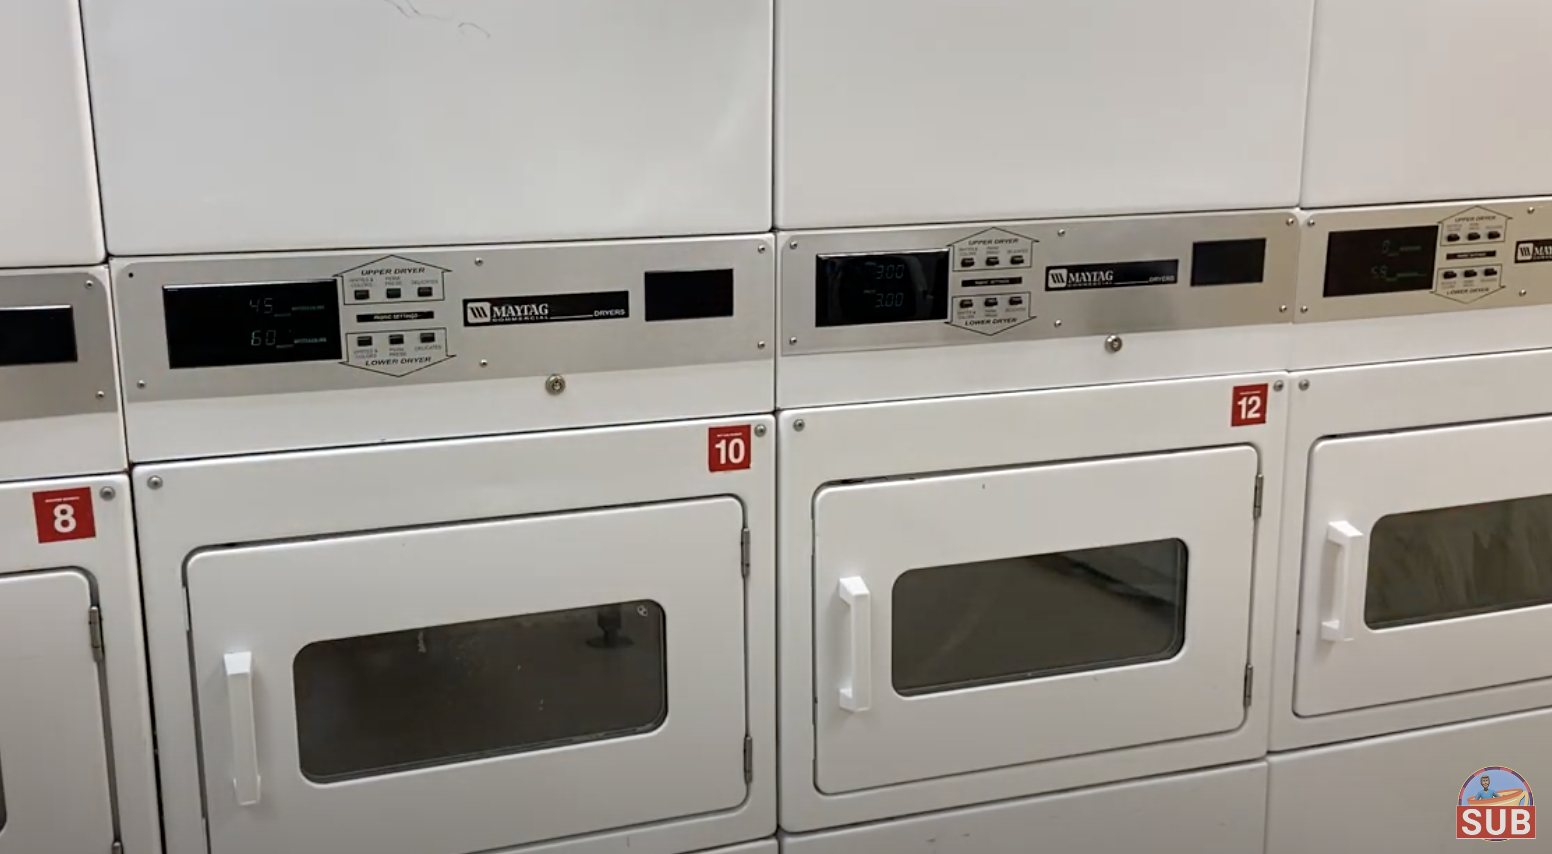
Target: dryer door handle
{"points": [[1351, 569], [245, 746], [857, 688]]}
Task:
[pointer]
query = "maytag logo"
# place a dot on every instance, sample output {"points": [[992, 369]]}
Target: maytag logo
{"points": [[1062, 278], [1530, 251], [546, 308], [1119, 274]]}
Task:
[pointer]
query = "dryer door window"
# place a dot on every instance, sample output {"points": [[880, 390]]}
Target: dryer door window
{"points": [[52, 746], [1421, 547], [472, 687], [973, 621]]}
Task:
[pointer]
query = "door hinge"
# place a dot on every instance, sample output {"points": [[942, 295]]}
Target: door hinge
{"points": [[743, 552], [94, 630], [1260, 488], [748, 760], [1250, 677]]}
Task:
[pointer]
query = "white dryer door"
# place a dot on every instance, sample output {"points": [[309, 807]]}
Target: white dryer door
{"points": [[54, 793], [471, 687], [1427, 565], [975, 621]]}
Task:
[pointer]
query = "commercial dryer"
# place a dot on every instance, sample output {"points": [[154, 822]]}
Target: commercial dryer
{"points": [[976, 534], [1425, 100], [75, 717], [284, 125], [893, 112], [48, 177], [459, 551], [1415, 587]]}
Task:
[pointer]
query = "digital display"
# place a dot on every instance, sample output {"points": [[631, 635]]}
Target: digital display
{"points": [[901, 287], [688, 294], [1380, 261], [1228, 262], [37, 335], [213, 326]]}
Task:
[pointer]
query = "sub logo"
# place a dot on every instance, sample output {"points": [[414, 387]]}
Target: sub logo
{"points": [[1495, 803], [476, 313], [1530, 251]]}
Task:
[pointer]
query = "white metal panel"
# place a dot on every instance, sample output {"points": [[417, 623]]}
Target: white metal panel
{"points": [[1414, 100], [1355, 482], [821, 446], [49, 213], [313, 494], [284, 124], [108, 559], [272, 601], [879, 531], [912, 111], [1396, 793], [52, 747], [1222, 811], [1375, 399]]}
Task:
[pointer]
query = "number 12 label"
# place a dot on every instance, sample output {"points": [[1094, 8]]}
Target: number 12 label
{"points": [[727, 448], [1249, 406], [64, 514]]}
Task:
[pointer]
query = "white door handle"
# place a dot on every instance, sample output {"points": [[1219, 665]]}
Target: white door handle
{"points": [[857, 687], [245, 740], [1352, 558]]}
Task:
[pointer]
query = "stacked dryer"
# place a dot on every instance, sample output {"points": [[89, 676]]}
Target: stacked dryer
{"points": [[76, 766], [1030, 468], [1415, 595], [454, 540]]}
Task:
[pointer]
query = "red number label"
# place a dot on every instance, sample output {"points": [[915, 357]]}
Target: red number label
{"points": [[1249, 408], [727, 448], [64, 514]]}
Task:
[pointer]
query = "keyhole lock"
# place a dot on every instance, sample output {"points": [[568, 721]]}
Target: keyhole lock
{"points": [[1114, 343], [555, 384]]}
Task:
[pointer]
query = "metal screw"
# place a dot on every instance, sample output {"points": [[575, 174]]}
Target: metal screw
{"points": [[792, 340], [1531, 209], [154, 482], [484, 364], [760, 346], [1114, 343], [479, 262], [760, 249], [108, 493], [139, 383], [1281, 309], [555, 384], [89, 284], [1303, 385], [1277, 386], [1058, 324], [798, 425], [1292, 220], [1310, 222], [792, 245], [1061, 232], [1522, 292], [1303, 309], [759, 429], [101, 395]]}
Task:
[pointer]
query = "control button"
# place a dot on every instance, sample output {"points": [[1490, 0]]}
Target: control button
{"points": [[967, 262], [363, 294], [428, 337], [967, 303], [395, 339], [1453, 238], [1490, 271], [1494, 235], [393, 293], [1016, 260], [425, 291], [1470, 274], [1449, 274], [993, 261], [363, 340], [991, 302], [1473, 236], [1015, 300]]}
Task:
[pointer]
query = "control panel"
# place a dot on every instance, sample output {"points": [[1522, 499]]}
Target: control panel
{"points": [[850, 290], [1379, 262]]}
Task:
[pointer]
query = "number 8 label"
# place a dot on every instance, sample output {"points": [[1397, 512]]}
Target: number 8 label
{"points": [[64, 514]]}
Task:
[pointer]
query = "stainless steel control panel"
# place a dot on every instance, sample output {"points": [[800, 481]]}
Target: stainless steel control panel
{"points": [[877, 289], [56, 345], [1359, 263]]}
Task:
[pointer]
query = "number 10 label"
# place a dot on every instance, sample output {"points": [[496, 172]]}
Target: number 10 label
{"points": [[1249, 406], [727, 448]]}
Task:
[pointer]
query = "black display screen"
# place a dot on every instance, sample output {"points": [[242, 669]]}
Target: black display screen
{"points": [[1380, 261], [1228, 262], [213, 326], [900, 287], [37, 335], [688, 294]]}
